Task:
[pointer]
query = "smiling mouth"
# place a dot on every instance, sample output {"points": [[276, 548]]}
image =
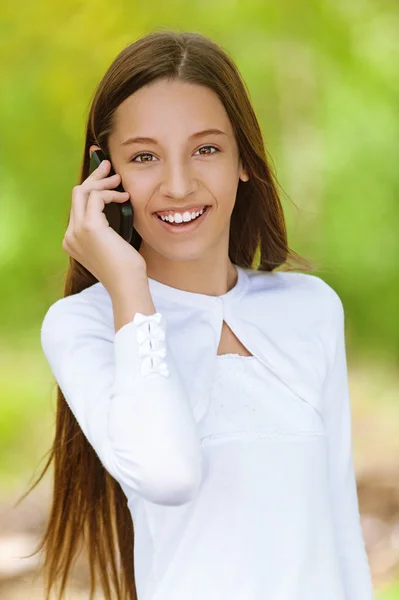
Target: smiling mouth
{"points": [[184, 226], [183, 223]]}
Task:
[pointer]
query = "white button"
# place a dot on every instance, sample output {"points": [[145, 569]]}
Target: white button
{"points": [[150, 336]]}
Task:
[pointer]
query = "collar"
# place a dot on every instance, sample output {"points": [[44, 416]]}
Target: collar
{"points": [[202, 300]]}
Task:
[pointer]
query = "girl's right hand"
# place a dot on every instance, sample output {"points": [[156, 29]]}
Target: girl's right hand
{"points": [[91, 241]]}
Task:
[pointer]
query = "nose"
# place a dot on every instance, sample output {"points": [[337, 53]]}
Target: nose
{"points": [[178, 181]]}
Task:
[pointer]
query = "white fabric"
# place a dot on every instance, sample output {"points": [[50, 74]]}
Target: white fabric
{"points": [[238, 471]]}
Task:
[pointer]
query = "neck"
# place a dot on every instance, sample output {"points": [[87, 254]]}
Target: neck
{"points": [[212, 277]]}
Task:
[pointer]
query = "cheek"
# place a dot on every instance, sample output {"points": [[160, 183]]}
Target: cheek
{"points": [[140, 190], [224, 192], [222, 181], [136, 186]]}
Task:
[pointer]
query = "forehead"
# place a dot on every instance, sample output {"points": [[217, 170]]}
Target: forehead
{"points": [[163, 107]]}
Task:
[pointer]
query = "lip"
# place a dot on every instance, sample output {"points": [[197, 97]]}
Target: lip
{"points": [[190, 209], [182, 229]]}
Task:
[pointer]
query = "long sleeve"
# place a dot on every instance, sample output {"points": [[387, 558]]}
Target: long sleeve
{"points": [[138, 421], [353, 559]]}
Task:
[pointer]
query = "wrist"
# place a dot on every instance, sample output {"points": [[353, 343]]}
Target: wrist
{"points": [[134, 297], [132, 286]]}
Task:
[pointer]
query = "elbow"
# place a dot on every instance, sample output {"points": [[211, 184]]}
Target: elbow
{"points": [[170, 486], [174, 491], [177, 482], [173, 494]]}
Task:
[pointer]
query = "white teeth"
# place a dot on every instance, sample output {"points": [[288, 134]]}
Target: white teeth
{"points": [[179, 218]]}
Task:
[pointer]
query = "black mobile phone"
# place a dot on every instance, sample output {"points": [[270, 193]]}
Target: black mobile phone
{"points": [[119, 214]]}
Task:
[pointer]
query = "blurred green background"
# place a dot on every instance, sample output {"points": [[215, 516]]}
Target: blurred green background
{"points": [[323, 79]]}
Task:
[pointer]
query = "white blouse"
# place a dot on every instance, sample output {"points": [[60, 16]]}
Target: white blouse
{"points": [[261, 524], [238, 471]]}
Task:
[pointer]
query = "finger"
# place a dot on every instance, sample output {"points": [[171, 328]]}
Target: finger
{"points": [[78, 207], [71, 220], [111, 182], [80, 193], [97, 201], [101, 171], [71, 225]]}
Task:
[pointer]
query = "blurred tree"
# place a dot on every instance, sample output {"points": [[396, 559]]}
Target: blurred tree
{"points": [[322, 78]]}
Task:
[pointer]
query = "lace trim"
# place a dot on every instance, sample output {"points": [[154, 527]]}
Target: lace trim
{"points": [[150, 336]]}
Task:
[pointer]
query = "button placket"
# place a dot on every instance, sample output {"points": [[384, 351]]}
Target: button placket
{"points": [[150, 336]]}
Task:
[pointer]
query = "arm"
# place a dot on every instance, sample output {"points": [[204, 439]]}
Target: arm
{"points": [[352, 555], [128, 400]]}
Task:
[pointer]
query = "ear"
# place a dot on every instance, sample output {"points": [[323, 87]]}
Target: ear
{"points": [[92, 148], [243, 173]]}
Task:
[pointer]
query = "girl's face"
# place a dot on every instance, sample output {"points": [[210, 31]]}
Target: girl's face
{"points": [[178, 167]]}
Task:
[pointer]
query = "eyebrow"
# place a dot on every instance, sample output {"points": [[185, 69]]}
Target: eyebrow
{"points": [[147, 140]]}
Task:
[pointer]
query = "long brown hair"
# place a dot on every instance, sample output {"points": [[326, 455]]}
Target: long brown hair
{"points": [[258, 239]]}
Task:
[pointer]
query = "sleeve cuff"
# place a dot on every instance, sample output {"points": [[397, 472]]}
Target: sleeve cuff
{"points": [[140, 350]]}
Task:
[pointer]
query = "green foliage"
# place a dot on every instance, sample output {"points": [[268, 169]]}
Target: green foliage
{"points": [[322, 77], [27, 413], [391, 592], [322, 80]]}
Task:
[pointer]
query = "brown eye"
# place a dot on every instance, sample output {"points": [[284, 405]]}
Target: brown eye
{"points": [[149, 154], [206, 153], [142, 154]]}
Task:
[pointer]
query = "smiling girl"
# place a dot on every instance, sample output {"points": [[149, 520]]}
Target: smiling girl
{"points": [[203, 437]]}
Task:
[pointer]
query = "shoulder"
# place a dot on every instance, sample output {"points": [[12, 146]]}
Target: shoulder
{"points": [[299, 290], [75, 314]]}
